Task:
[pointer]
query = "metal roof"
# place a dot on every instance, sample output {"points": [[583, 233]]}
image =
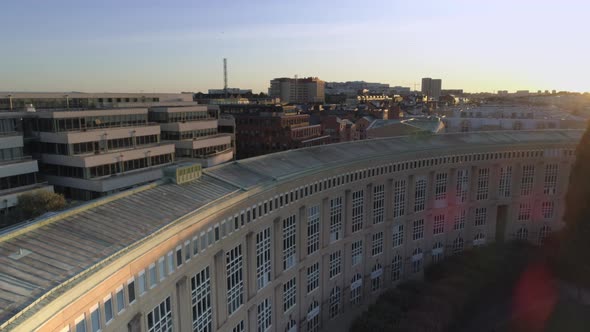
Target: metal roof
{"points": [[37, 257]]}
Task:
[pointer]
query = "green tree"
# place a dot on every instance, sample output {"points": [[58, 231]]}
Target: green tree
{"points": [[34, 204]]}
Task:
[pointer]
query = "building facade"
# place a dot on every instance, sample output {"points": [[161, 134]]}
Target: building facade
{"points": [[292, 241], [19, 173], [432, 88], [298, 91], [194, 132], [89, 154]]}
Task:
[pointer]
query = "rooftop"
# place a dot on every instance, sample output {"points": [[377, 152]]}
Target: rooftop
{"points": [[37, 257]]}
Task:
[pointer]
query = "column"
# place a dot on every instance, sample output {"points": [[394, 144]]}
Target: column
{"points": [[219, 298], [276, 244], [302, 233], [183, 304], [250, 260], [325, 223], [368, 208], [347, 213]]}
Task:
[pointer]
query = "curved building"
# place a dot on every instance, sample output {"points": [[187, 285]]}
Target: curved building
{"points": [[292, 241]]}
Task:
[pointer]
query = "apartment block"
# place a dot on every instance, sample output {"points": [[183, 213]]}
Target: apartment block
{"points": [[299, 91]]}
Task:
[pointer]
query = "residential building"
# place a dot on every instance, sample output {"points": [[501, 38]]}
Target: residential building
{"points": [[19, 173], [283, 241], [194, 131], [263, 129], [431, 88], [307, 90], [89, 154]]}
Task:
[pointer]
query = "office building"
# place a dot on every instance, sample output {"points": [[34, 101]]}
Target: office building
{"points": [[19, 173], [307, 90], [194, 132], [297, 240], [89, 154]]}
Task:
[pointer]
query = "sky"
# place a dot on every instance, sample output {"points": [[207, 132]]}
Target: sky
{"points": [[173, 46]]}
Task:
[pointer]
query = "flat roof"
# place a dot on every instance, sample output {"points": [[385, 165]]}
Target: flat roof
{"points": [[66, 244]]}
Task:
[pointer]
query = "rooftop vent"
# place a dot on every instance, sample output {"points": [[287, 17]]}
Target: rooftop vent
{"points": [[19, 254], [183, 173]]}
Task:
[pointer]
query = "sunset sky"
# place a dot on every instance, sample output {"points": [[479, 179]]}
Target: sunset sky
{"points": [[173, 46]]}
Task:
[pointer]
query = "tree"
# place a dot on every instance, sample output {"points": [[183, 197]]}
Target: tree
{"points": [[34, 204]]}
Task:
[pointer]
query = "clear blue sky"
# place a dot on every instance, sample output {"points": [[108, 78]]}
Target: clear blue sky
{"points": [[172, 46]]}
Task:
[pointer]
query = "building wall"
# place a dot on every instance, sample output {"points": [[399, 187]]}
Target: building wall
{"points": [[220, 228]]}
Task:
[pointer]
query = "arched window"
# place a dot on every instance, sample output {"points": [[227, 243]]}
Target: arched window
{"points": [[396, 268], [543, 233], [291, 326], [438, 252], [417, 260], [356, 286], [313, 317], [522, 234], [376, 274], [458, 245], [334, 302], [479, 239]]}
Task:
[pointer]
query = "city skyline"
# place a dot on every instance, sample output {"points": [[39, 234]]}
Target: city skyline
{"points": [[133, 47]]}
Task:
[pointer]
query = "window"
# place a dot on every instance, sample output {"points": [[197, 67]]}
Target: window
{"points": [[459, 220], [528, 174], [358, 215], [289, 294], [131, 290], [313, 229], [264, 315], [505, 181], [289, 242], [108, 309], [120, 300], [178, 256], [263, 258], [357, 252], [547, 209], [418, 230], [162, 268], [335, 219], [439, 224], [417, 257], [313, 277], [376, 274], [420, 194], [335, 263], [524, 212], [160, 318], [522, 234], [480, 216], [458, 245], [202, 311], [479, 240], [153, 277], [440, 189], [462, 185], [240, 327], [543, 234], [396, 268], [377, 244], [291, 326], [235, 281], [437, 252], [398, 235], [483, 180], [313, 317], [81, 324], [356, 285], [141, 283], [334, 302], [170, 259], [378, 204], [550, 184], [399, 198], [95, 319]]}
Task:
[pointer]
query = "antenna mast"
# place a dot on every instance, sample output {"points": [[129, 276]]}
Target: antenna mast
{"points": [[225, 75]]}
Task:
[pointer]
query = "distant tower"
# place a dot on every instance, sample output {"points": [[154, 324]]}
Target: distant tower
{"points": [[225, 75]]}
